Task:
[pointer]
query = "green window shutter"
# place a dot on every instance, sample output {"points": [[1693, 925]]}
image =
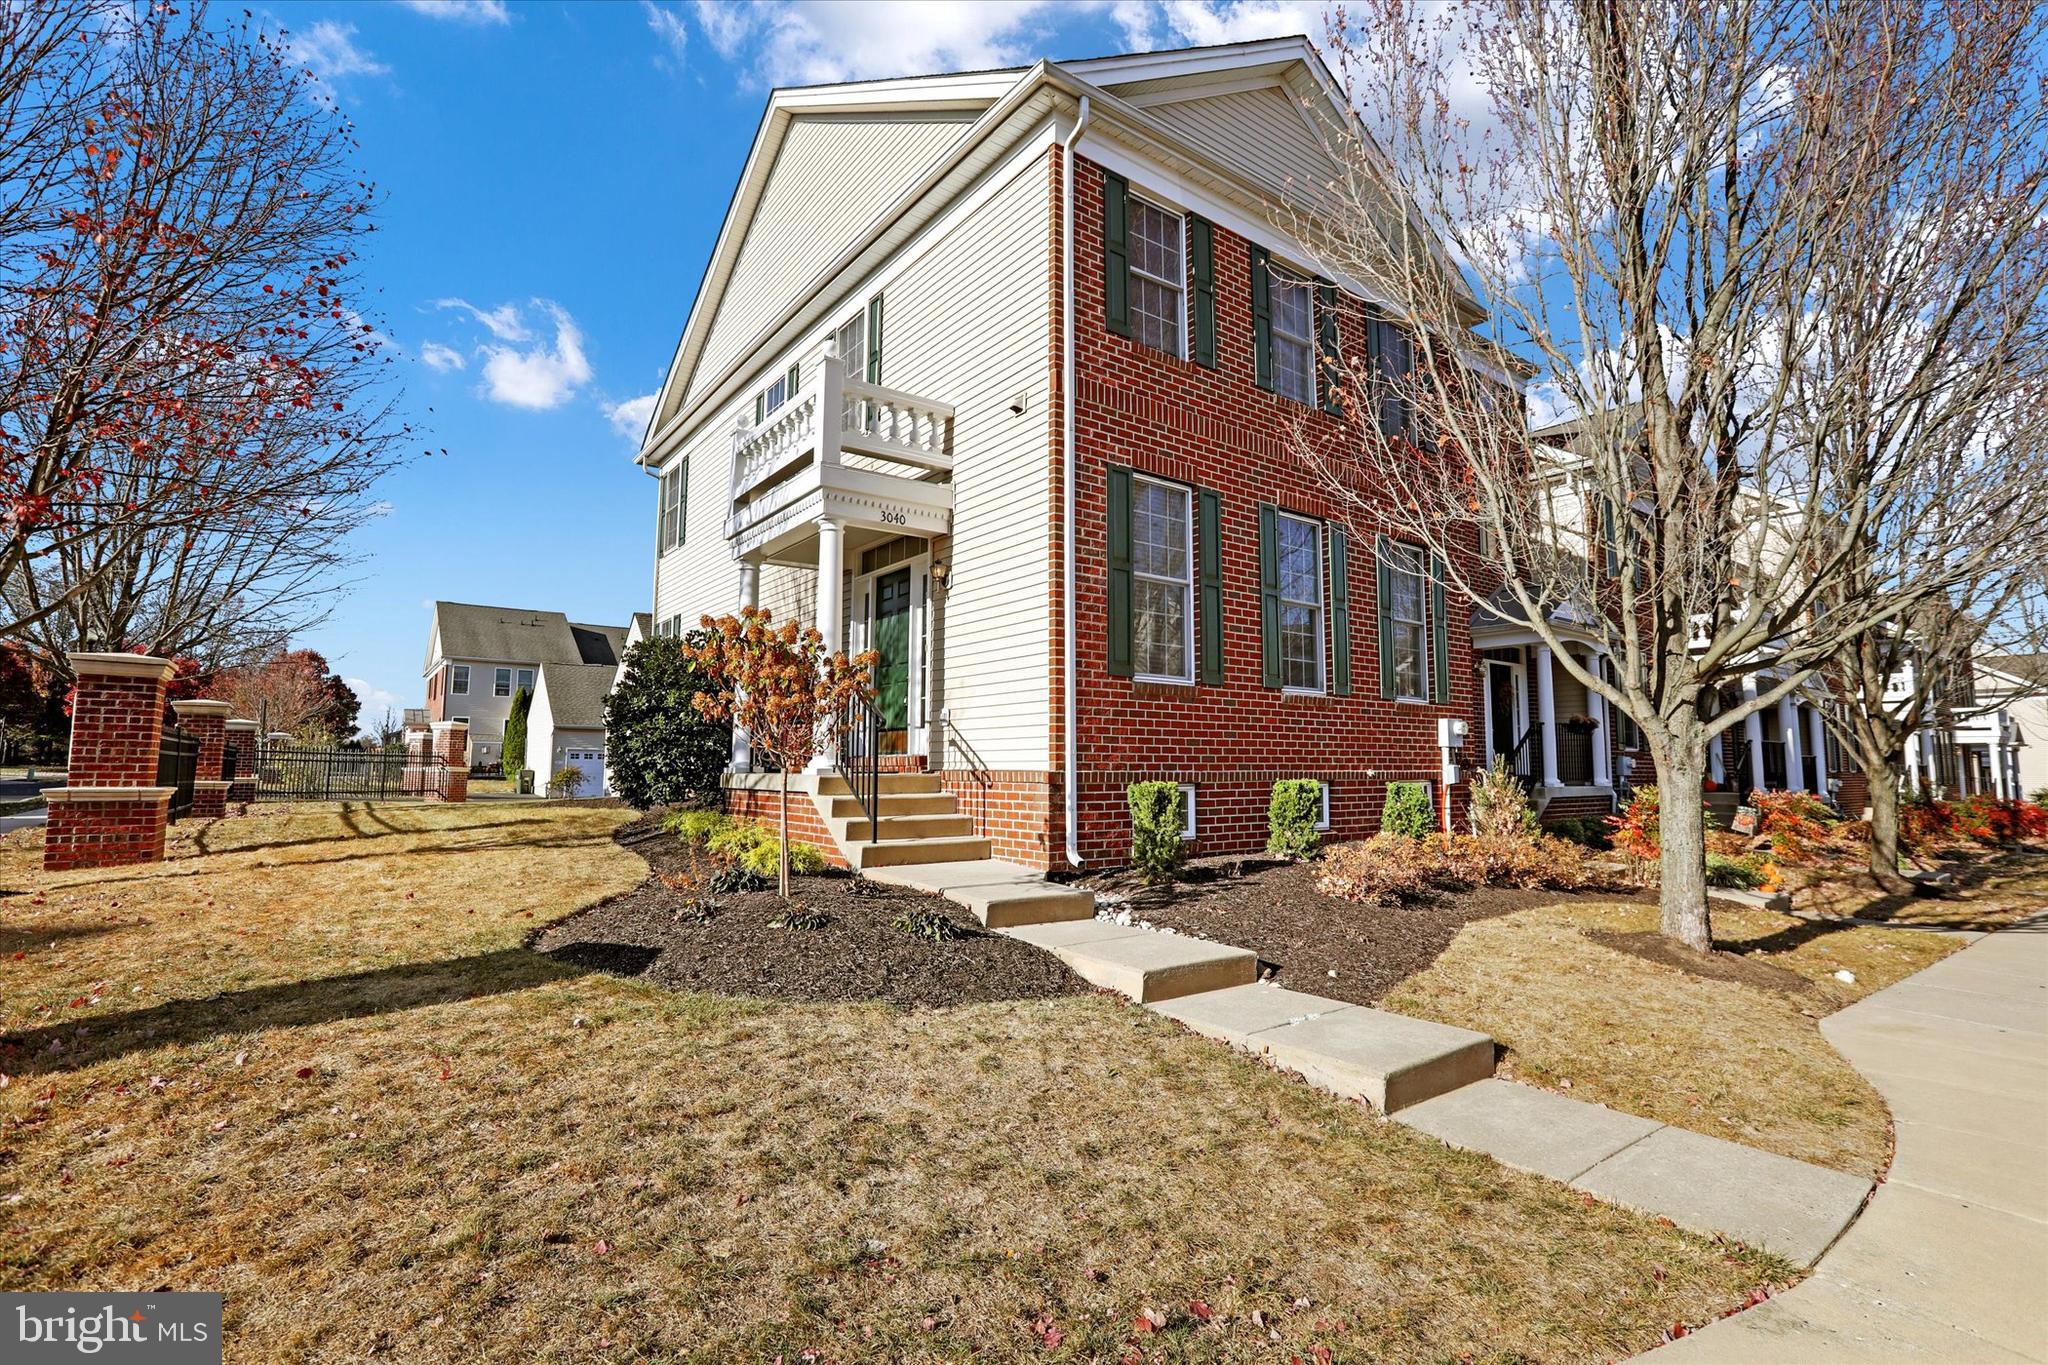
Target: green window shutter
{"points": [[1340, 614], [760, 408], [1116, 254], [1202, 241], [1262, 320], [1384, 588], [1439, 633], [875, 339], [795, 380], [683, 503], [1209, 550], [1607, 535], [1120, 573], [1269, 592], [1328, 372]]}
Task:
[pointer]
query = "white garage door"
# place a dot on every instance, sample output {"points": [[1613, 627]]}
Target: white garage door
{"points": [[591, 762]]}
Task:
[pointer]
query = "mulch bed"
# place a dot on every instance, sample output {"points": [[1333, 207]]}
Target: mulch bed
{"points": [[651, 932], [1302, 936]]}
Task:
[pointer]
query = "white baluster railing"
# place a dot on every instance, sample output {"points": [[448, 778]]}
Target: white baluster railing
{"points": [[896, 426]]}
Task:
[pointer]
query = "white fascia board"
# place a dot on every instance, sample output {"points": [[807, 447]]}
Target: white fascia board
{"points": [[1191, 61]]}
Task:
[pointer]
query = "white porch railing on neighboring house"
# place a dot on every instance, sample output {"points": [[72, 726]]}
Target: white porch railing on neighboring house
{"points": [[827, 419]]}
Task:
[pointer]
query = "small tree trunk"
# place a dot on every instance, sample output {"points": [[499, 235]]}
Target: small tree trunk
{"points": [[1682, 847], [782, 842], [1884, 832]]}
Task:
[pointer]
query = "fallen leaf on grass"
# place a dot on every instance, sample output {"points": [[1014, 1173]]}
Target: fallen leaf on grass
{"points": [[303, 1072], [1199, 1309]]}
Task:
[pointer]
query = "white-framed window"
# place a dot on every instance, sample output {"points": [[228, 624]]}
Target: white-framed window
{"points": [[1158, 244], [461, 684], [1301, 603], [501, 682], [460, 720], [675, 483], [1323, 811], [525, 680], [852, 342], [1187, 813], [1408, 621], [1162, 580], [1292, 303]]}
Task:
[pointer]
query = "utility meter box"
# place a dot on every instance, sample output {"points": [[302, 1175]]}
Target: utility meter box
{"points": [[1451, 732]]}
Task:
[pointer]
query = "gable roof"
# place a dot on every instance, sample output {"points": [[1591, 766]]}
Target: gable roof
{"points": [[983, 103], [515, 635], [575, 693]]}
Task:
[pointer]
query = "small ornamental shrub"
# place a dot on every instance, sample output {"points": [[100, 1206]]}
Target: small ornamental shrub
{"points": [[1292, 815], [566, 783], [1797, 823], [699, 911], [1158, 815], [930, 925], [805, 860], [1587, 831], [734, 839], [1744, 873], [1500, 803], [737, 880], [2038, 796], [1390, 868], [1635, 830], [1407, 811], [696, 826], [1924, 821], [799, 915]]}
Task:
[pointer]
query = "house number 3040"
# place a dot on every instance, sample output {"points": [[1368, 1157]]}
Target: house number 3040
{"points": [[895, 518]]}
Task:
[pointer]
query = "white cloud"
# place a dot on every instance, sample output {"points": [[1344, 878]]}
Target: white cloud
{"points": [[1197, 23], [629, 418], [462, 11], [810, 42], [503, 321], [669, 27], [439, 357], [329, 51], [374, 699], [544, 375]]}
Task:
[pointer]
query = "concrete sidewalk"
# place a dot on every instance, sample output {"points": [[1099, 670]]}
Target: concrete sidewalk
{"points": [[1950, 1261]]}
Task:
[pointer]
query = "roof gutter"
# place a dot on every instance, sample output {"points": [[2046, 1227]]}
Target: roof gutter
{"points": [[1070, 793]]}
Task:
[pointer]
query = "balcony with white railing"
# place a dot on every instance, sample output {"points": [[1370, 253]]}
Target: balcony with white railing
{"points": [[843, 448]]}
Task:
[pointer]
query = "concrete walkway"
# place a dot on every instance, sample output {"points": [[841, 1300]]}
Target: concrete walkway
{"points": [[1950, 1261]]}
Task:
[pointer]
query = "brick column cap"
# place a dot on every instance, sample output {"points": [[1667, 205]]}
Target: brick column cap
{"points": [[122, 666], [280, 734], [440, 726], [198, 706], [63, 794], [245, 725]]}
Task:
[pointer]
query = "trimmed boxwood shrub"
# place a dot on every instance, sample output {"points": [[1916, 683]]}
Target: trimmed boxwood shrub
{"points": [[1407, 811], [1291, 818], [1158, 815], [658, 750]]}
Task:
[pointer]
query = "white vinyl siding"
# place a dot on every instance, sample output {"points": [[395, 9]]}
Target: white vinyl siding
{"points": [[1408, 620], [833, 176], [1158, 283], [1259, 133], [1162, 581], [1301, 604]]}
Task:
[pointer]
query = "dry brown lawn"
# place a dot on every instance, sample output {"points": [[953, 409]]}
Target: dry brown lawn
{"points": [[315, 1069], [1994, 887], [1740, 1059]]}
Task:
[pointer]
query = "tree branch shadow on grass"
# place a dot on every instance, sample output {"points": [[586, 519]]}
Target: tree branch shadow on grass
{"points": [[296, 1004], [351, 830], [572, 841], [22, 938]]}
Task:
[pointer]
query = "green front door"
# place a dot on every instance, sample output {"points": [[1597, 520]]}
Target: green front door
{"points": [[892, 672]]}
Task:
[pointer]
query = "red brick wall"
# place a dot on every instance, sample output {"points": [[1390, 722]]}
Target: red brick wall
{"points": [[451, 749], [1014, 811], [114, 832], [1216, 429], [805, 824], [117, 728]]}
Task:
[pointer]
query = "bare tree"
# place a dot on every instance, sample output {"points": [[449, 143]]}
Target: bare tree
{"points": [[1656, 208], [192, 410]]}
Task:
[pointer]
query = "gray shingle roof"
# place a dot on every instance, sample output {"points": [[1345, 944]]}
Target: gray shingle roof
{"points": [[516, 635], [576, 693]]}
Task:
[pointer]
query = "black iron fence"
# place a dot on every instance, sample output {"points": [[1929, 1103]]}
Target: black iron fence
{"points": [[289, 773], [177, 767]]}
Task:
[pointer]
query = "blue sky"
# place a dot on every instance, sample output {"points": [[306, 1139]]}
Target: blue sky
{"points": [[554, 176]]}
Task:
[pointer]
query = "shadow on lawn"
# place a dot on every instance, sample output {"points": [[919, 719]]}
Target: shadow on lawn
{"points": [[356, 821], [295, 1004], [286, 865]]}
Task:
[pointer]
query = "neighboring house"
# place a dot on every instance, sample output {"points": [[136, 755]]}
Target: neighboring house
{"points": [[1072, 585], [1992, 735], [478, 656], [565, 727]]}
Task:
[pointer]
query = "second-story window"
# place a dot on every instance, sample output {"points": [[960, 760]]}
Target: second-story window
{"points": [[501, 683], [1158, 276], [1162, 581], [1294, 336], [526, 680], [461, 672], [1408, 622], [675, 486], [1301, 603]]}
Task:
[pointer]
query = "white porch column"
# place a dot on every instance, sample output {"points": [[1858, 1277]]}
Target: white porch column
{"points": [[831, 600], [1753, 733], [1913, 782], [750, 596], [1795, 745], [1597, 708], [1717, 763], [1817, 732], [1930, 760], [1546, 714]]}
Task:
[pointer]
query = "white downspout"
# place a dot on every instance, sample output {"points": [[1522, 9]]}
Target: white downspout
{"points": [[1072, 792]]}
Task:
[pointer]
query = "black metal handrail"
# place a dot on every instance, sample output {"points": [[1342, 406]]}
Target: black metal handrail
{"points": [[1518, 756], [858, 758]]}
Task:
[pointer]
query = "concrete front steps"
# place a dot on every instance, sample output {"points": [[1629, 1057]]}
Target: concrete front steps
{"points": [[917, 822]]}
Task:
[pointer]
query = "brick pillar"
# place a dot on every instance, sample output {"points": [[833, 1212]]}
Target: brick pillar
{"points": [[419, 758], [451, 752], [207, 721], [241, 737], [110, 812]]}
